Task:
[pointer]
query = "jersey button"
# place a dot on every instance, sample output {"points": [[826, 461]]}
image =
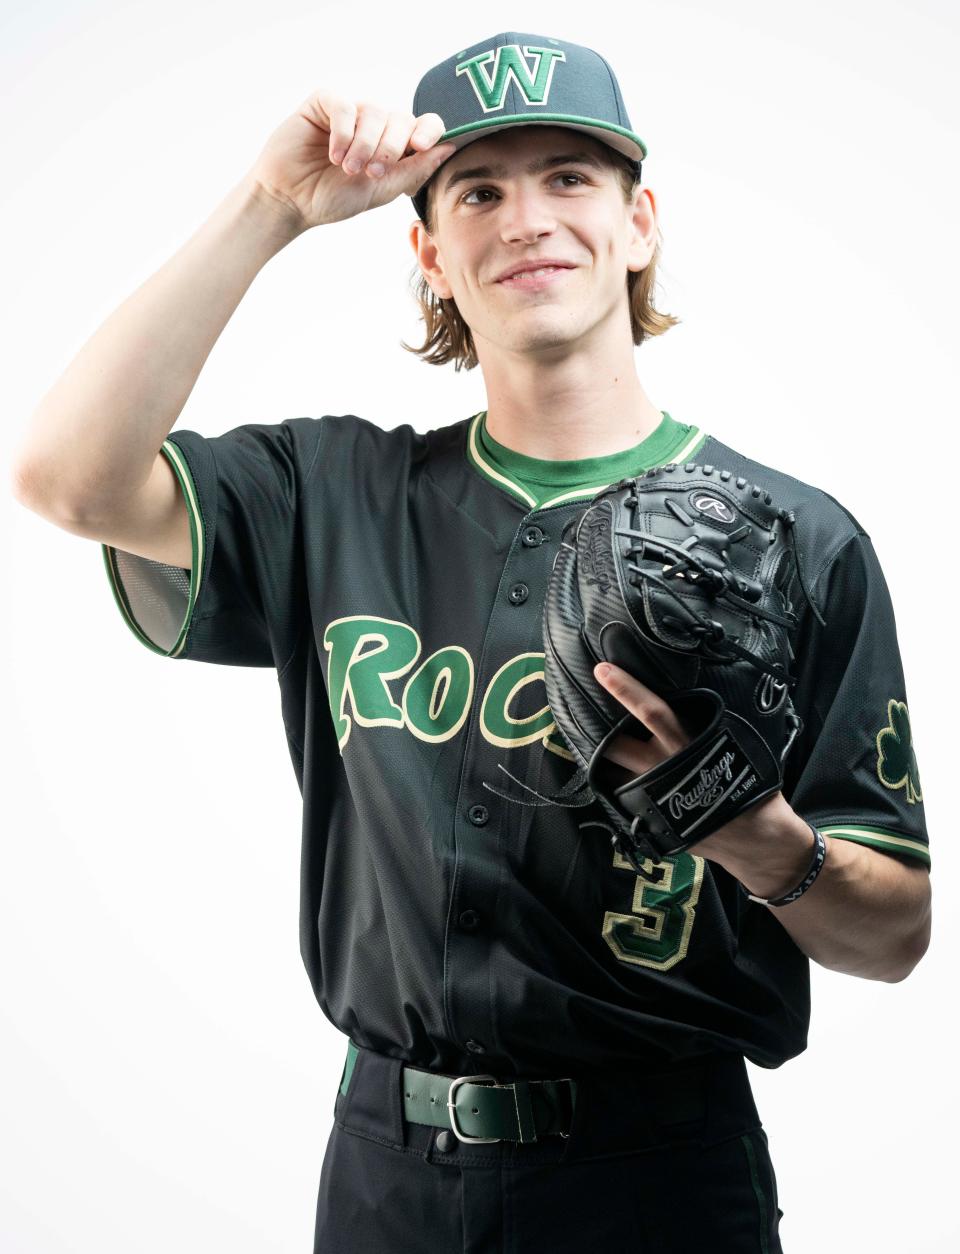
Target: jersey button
{"points": [[469, 920], [532, 537], [478, 814], [476, 1047], [519, 593]]}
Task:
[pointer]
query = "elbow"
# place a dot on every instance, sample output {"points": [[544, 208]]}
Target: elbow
{"points": [[898, 976], [28, 490], [19, 483], [915, 952]]}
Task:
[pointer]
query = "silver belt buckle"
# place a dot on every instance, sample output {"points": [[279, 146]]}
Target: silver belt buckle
{"points": [[452, 1108]]}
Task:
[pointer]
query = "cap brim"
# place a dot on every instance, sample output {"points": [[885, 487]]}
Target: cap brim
{"points": [[625, 141]]}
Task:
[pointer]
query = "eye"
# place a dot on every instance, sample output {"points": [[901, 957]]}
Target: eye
{"points": [[474, 191], [566, 174]]}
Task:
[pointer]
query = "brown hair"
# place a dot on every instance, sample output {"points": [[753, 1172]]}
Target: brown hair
{"points": [[447, 336]]}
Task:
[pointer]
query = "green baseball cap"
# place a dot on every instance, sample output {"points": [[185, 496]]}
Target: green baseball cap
{"points": [[514, 79]]}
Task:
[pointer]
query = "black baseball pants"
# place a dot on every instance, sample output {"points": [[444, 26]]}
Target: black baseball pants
{"points": [[625, 1179]]}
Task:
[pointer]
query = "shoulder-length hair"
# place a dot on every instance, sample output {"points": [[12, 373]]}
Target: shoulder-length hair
{"points": [[448, 338]]}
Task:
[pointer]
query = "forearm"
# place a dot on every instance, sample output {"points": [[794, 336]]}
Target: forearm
{"points": [[97, 432], [866, 914]]}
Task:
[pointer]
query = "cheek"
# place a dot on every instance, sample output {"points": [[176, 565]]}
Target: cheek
{"points": [[464, 290], [460, 269], [605, 242]]}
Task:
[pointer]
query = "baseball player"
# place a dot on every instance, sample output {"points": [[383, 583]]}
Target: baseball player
{"points": [[546, 1050]]}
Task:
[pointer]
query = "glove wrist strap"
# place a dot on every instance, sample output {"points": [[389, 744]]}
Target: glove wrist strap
{"points": [[816, 866], [726, 768]]}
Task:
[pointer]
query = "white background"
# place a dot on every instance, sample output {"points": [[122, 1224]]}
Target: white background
{"points": [[168, 1080]]}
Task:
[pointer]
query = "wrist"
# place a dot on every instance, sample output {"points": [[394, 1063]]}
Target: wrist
{"points": [[786, 862], [799, 886], [270, 216], [768, 848]]}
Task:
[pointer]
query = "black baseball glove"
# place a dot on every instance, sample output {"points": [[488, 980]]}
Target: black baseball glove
{"points": [[682, 577]]}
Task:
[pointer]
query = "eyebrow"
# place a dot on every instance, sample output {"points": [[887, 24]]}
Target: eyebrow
{"points": [[537, 166]]}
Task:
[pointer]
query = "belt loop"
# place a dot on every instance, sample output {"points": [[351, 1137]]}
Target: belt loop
{"points": [[521, 1100], [399, 1130], [565, 1094]]}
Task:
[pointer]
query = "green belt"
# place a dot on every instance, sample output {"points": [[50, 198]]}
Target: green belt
{"points": [[478, 1108]]}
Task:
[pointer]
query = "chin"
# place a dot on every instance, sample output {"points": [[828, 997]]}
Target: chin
{"points": [[548, 340], [541, 333]]}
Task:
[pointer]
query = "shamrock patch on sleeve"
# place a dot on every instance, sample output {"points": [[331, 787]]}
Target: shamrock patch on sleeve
{"points": [[896, 760]]}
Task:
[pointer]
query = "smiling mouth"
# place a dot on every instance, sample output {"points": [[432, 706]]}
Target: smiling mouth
{"points": [[534, 278]]}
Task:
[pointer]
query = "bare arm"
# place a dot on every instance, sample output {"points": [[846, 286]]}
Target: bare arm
{"points": [[866, 914], [91, 459], [95, 436]]}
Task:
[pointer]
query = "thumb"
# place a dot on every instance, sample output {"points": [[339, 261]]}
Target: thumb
{"points": [[418, 168]]}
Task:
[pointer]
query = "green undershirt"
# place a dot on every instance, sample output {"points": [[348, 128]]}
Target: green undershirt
{"points": [[545, 478]]}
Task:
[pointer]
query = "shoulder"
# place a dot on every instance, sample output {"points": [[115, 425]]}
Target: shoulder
{"points": [[825, 527], [349, 432], [358, 459], [341, 448], [350, 427]]}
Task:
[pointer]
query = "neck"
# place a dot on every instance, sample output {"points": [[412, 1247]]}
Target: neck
{"points": [[565, 410]]}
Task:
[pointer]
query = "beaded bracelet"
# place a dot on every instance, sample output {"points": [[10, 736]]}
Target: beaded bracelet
{"points": [[819, 853]]}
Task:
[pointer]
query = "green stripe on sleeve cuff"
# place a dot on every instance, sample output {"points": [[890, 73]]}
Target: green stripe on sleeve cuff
{"points": [[877, 838], [155, 598]]}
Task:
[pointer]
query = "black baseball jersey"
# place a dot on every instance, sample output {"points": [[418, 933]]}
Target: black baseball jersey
{"points": [[395, 581]]}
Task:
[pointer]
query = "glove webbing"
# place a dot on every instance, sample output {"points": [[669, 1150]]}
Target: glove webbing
{"points": [[711, 632]]}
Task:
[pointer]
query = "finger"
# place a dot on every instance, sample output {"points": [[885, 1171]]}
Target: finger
{"points": [[429, 128], [341, 118], [644, 704], [393, 144], [421, 166], [371, 120], [637, 756]]}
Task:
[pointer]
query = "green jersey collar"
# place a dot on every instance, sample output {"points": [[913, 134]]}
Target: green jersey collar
{"points": [[541, 482]]}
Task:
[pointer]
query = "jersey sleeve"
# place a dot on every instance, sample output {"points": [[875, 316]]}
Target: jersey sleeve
{"points": [[243, 601], [856, 776]]}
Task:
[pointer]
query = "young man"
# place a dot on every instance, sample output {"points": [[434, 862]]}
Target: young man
{"points": [[546, 1049]]}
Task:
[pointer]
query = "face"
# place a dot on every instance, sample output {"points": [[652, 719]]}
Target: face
{"points": [[535, 193]]}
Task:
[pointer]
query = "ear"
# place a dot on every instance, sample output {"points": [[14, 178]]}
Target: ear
{"points": [[643, 219], [429, 260]]}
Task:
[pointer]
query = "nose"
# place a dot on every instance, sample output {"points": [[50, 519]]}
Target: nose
{"points": [[525, 215]]}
